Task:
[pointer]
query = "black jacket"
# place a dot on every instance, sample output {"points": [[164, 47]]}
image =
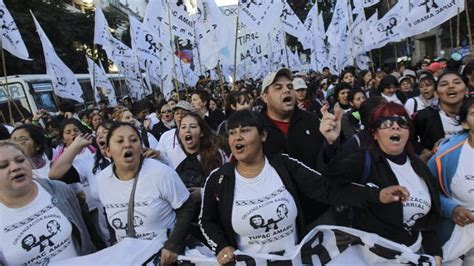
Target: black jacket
{"points": [[387, 220], [216, 212], [428, 128], [302, 142], [159, 129]]}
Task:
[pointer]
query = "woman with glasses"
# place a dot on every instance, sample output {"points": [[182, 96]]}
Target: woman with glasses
{"points": [[32, 140], [390, 160], [166, 122]]}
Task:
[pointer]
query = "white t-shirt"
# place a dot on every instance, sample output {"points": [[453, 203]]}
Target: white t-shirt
{"points": [[170, 151], [84, 165], [36, 233], [419, 203], [43, 172], [159, 191], [410, 104], [462, 184], [450, 125], [264, 213]]}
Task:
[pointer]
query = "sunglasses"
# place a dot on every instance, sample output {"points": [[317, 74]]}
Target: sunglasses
{"points": [[387, 122], [166, 112]]}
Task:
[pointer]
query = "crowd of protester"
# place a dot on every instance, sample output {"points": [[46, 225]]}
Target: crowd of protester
{"points": [[383, 151]]}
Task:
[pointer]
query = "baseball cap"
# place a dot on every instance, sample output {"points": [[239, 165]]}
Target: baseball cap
{"points": [[298, 83], [183, 105], [270, 78], [409, 72], [435, 67]]}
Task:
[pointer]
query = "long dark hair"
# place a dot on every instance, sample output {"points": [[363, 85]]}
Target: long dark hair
{"points": [[73, 121], [38, 135], [211, 157]]}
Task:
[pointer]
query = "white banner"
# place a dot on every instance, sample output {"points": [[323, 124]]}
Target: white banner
{"points": [[324, 245], [11, 38], [260, 15], [64, 81], [427, 14]]}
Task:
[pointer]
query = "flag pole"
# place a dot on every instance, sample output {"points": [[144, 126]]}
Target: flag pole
{"points": [[197, 48], [93, 69], [234, 87], [172, 50], [468, 20], [7, 91], [395, 43], [458, 33], [312, 40]]}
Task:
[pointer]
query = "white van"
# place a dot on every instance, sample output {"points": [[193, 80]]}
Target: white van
{"points": [[28, 93]]}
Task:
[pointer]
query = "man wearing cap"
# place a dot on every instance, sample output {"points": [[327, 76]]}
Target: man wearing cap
{"points": [[168, 145], [291, 130]]}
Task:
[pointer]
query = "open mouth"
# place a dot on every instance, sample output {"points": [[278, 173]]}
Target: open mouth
{"points": [[395, 138], [287, 99], [128, 154], [451, 94], [101, 143], [188, 139], [239, 147]]}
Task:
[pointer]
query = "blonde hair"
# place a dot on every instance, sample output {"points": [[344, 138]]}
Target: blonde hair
{"points": [[117, 115]]}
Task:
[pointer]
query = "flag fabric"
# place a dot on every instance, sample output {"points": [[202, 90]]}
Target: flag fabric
{"points": [[182, 25], [64, 81], [368, 3], [101, 29], [369, 35], [212, 33], [101, 82], [260, 15], [292, 24], [427, 14], [387, 28], [11, 38]]}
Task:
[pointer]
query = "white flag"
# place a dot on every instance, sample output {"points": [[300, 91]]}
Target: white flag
{"points": [[260, 15], [339, 22], [368, 3], [101, 29], [387, 28], [212, 32], [182, 25], [64, 82], [370, 35], [101, 82], [427, 14], [11, 38], [292, 24]]}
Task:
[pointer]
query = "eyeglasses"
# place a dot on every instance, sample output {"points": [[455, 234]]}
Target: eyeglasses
{"points": [[21, 139], [166, 112], [387, 122]]}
